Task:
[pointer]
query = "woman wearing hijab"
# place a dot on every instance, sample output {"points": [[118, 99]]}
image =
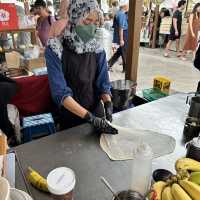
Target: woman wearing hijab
{"points": [[77, 69]]}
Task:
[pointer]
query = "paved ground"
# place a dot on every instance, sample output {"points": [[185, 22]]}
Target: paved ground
{"points": [[152, 63]]}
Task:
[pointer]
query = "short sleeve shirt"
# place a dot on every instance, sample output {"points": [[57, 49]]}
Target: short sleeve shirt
{"points": [[177, 15], [120, 21], [43, 28]]}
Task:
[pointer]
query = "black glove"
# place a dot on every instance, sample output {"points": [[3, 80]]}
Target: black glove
{"points": [[108, 110], [100, 124]]}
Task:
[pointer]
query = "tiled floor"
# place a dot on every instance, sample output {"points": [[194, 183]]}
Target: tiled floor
{"points": [[152, 63]]}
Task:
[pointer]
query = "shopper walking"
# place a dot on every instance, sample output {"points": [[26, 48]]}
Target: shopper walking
{"points": [[120, 36], [175, 31], [191, 39], [115, 8]]}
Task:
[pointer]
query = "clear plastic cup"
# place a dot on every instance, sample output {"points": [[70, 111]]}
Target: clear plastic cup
{"points": [[61, 183]]}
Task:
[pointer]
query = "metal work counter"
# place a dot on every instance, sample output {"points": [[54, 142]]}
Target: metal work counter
{"points": [[78, 148]]}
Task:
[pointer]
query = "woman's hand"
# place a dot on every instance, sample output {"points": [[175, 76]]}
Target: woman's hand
{"points": [[100, 124], [193, 35], [177, 33]]}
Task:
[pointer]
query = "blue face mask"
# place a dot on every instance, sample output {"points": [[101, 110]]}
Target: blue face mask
{"points": [[86, 32]]}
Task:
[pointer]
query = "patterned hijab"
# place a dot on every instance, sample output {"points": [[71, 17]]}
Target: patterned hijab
{"points": [[78, 10]]}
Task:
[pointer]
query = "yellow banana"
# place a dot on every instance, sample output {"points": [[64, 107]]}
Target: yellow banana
{"points": [[191, 188], [156, 190], [37, 180], [167, 194], [187, 164], [195, 177], [178, 193]]}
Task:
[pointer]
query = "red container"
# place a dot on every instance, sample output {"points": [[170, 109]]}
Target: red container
{"points": [[8, 16]]}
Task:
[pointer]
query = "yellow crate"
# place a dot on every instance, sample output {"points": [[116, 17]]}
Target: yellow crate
{"points": [[162, 83]]}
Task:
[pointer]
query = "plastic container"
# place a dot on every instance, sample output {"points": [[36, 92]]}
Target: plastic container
{"points": [[162, 83], [61, 182], [195, 107], [191, 130], [142, 169], [153, 94], [123, 92], [161, 175], [193, 149]]}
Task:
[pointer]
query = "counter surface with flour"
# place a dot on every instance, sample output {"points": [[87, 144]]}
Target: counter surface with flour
{"points": [[78, 148]]}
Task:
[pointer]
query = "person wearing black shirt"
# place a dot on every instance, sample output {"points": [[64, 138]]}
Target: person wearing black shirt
{"points": [[8, 89], [175, 31]]}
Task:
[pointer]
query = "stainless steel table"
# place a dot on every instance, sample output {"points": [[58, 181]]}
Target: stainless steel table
{"points": [[78, 148]]}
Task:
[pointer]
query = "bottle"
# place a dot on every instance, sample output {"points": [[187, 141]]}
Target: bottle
{"points": [[142, 169]]}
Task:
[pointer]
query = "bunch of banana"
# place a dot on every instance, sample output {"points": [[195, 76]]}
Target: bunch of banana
{"points": [[183, 186], [187, 164], [37, 180], [181, 190]]}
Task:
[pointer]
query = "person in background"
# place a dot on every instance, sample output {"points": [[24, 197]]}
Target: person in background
{"points": [[175, 31], [8, 89], [164, 13], [115, 8], [120, 35], [77, 69], [108, 22], [44, 21], [191, 39], [50, 8]]}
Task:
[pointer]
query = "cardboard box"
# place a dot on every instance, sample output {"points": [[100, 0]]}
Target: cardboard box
{"points": [[13, 59], [162, 83], [35, 63]]}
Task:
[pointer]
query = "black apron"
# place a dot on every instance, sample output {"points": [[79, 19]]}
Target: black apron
{"points": [[80, 71]]}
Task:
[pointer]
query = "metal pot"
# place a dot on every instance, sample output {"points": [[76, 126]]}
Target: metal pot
{"points": [[129, 195], [123, 92]]}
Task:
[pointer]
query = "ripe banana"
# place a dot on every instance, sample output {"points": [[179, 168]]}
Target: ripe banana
{"points": [[195, 177], [187, 164], [191, 188], [178, 193], [37, 180], [156, 190], [167, 194]]}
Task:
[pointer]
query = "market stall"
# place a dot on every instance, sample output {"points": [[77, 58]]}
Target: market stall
{"points": [[23, 60], [79, 149], [80, 156]]}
